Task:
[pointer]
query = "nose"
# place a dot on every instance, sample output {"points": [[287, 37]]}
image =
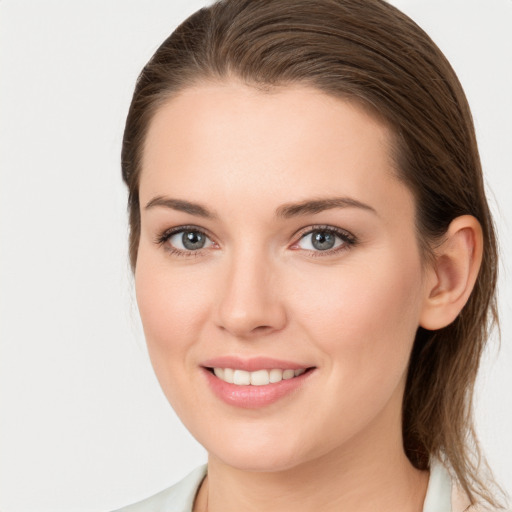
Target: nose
{"points": [[250, 300]]}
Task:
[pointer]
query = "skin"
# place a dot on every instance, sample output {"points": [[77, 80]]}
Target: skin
{"points": [[258, 289]]}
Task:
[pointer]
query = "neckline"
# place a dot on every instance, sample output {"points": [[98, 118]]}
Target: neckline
{"points": [[438, 497], [181, 496]]}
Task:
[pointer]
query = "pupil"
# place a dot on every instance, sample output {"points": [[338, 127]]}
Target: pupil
{"points": [[193, 240], [323, 240]]}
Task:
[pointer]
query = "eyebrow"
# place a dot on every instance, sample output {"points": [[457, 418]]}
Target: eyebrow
{"points": [[312, 206], [182, 206], [286, 211]]}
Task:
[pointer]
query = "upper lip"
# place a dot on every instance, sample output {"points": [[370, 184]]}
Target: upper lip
{"points": [[252, 364]]}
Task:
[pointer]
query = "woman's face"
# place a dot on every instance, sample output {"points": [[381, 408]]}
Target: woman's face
{"points": [[275, 236]]}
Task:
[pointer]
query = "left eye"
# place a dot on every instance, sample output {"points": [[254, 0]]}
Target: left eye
{"points": [[320, 240]]}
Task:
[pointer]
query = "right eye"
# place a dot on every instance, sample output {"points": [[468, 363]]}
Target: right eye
{"points": [[185, 240]]}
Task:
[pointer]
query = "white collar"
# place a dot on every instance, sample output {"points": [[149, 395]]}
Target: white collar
{"points": [[439, 490]]}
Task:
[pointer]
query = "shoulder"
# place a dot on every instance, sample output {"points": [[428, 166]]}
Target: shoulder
{"points": [[178, 498], [460, 502], [445, 494]]}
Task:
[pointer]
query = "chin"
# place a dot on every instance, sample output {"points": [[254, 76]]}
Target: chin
{"points": [[258, 461], [259, 452]]}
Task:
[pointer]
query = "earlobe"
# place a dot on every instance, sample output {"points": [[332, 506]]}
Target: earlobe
{"points": [[453, 274]]}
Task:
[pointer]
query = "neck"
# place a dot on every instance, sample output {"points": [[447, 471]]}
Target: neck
{"points": [[359, 479]]}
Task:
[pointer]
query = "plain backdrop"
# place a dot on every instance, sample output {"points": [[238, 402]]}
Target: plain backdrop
{"points": [[83, 423]]}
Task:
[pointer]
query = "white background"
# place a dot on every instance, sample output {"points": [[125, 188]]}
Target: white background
{"points": [[83, 425]]}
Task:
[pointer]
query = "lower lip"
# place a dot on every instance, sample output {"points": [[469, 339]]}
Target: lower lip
{"points": [[253, 397]]}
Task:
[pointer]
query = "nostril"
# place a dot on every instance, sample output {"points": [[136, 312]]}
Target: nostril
{"points": [[263, 328]]}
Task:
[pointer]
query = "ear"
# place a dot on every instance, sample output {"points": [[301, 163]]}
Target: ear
{"points": [[452, 276]]}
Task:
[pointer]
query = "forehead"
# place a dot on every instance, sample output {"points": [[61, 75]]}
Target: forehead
{"points": [[220, 139]]}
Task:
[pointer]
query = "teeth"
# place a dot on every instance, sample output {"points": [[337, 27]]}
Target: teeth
{"points": [[241, 378], [260, 378], [228, 375], [276, 375], [257, 378]]}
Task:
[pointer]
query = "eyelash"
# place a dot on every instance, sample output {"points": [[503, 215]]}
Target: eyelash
{"points": [[163, 237], [348, 239]]}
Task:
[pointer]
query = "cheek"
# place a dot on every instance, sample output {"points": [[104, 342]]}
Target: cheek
{"points": [[366, 316], [172, 305], [364, 323]]}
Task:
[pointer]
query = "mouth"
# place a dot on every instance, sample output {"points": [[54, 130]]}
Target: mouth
{"points": [[255, 383], [262, 377]]}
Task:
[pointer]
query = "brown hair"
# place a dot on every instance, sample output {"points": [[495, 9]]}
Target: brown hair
{"points": [[369, 51]]}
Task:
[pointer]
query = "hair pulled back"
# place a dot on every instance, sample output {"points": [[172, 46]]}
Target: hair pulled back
{"points": [[368, 51]]}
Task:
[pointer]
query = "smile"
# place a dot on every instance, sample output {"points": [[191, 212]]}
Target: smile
{"points": [[256, 378], [255, 388]]}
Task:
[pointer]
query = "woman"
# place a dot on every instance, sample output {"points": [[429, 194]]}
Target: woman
{"points": [[314, 258]]}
